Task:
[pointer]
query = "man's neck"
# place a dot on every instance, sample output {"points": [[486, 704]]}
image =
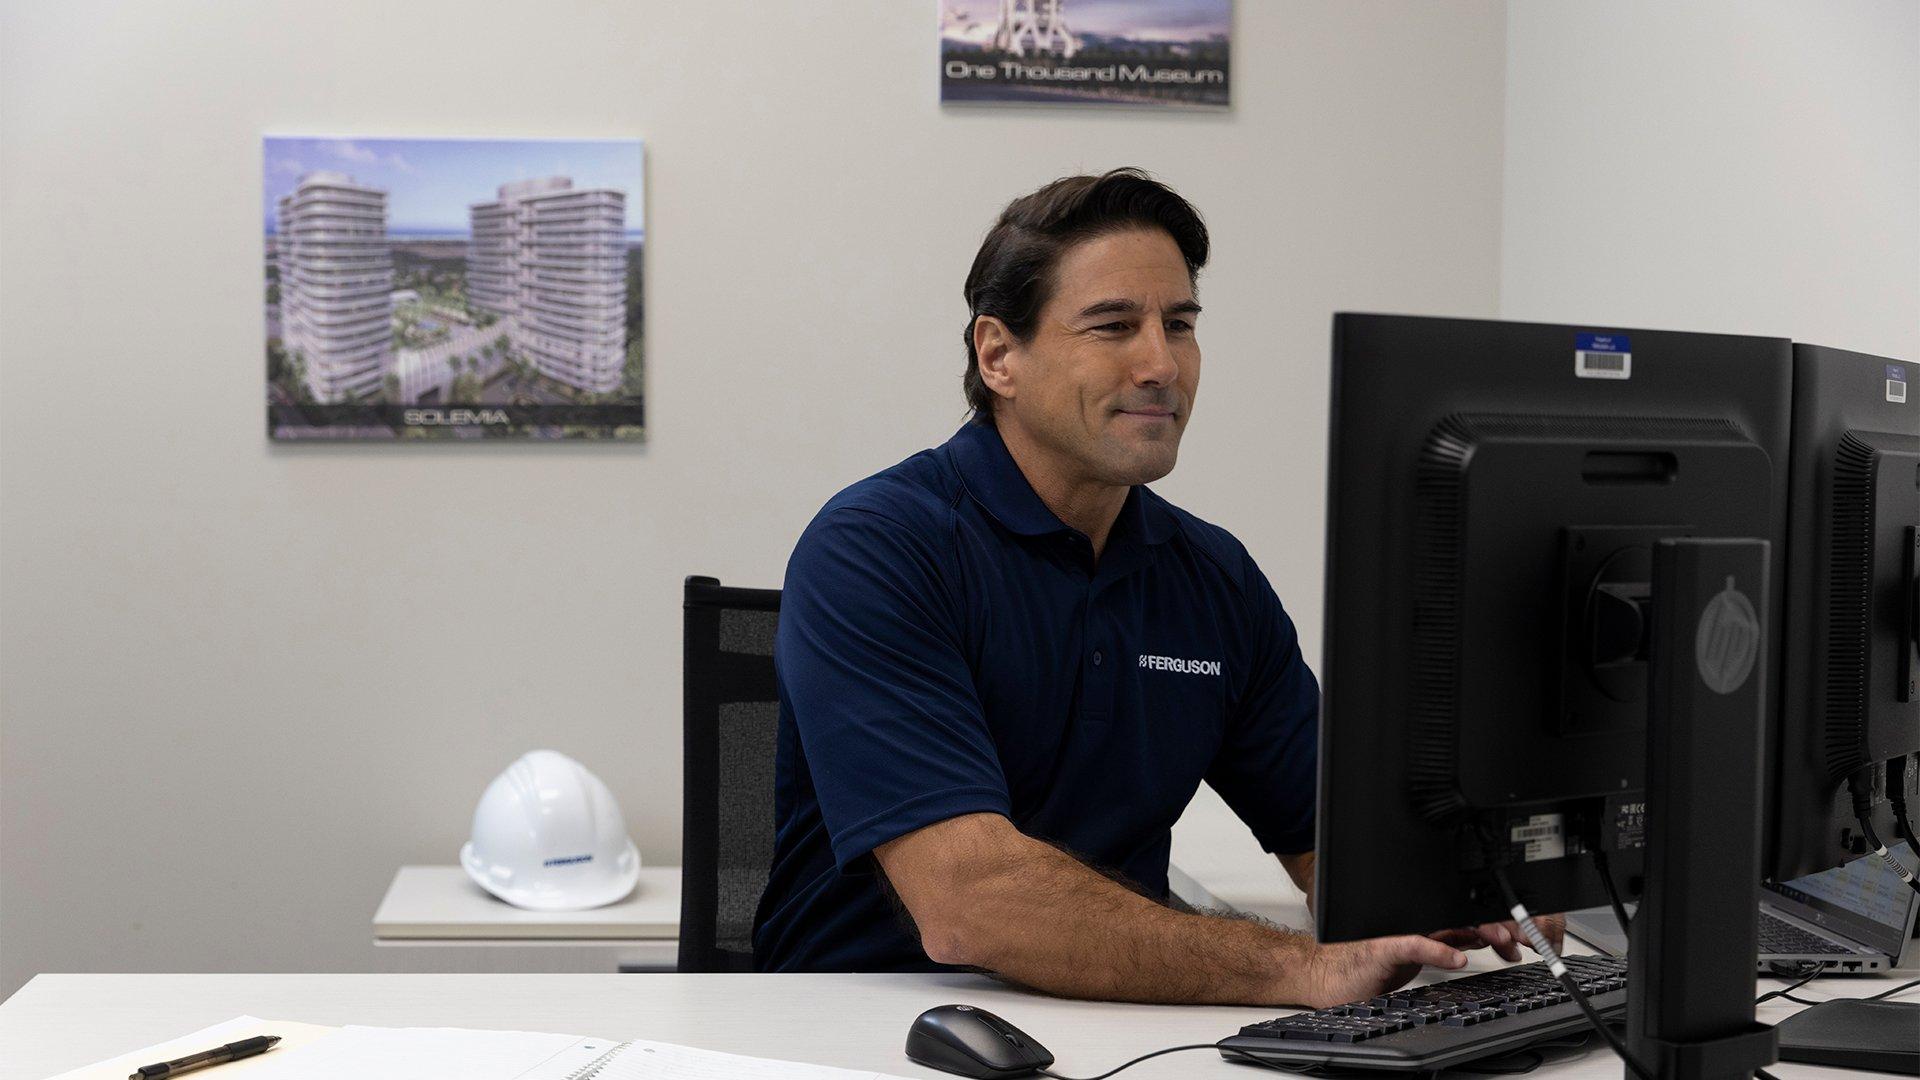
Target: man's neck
{"points": [[1086, 505]]}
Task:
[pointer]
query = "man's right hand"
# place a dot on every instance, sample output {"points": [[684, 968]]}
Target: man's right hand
{"points": [[1357, 970]]}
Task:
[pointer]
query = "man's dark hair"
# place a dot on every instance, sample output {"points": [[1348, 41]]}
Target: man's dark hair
{"points": [[1012, 276]]}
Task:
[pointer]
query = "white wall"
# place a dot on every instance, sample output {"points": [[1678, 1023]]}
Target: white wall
{"points": [[241, 683], [1741, 166]]}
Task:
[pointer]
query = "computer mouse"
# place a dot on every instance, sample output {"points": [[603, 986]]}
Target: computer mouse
{"points": [[967, 1041]]}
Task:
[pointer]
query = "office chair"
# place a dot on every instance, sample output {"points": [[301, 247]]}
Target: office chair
{"points": [[731, 712]]}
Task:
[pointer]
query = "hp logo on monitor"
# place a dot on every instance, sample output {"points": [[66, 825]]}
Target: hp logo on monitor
{"points": [[1727, 642]]}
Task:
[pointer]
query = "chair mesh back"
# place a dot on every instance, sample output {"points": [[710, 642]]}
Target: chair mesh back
{"points": [[732, 712], [746, 817]]}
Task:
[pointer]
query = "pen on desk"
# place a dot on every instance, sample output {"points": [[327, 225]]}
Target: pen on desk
{"points": [[219, 1055]]}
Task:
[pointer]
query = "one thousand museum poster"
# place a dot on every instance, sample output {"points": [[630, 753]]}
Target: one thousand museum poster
{"points": [[1142, 53], [453, 288]]}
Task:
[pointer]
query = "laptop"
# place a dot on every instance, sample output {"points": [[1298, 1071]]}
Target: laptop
{"points": [[1853, 918]]}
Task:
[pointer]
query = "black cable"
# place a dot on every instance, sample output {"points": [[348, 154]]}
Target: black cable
{"points": [[1233, 1052], [1786, 992], [1559, 969], [1860, 785], [1135, 1061], [1897, 793], [1901, 989], [1763, 1074], [1819, 969], [1613, 890]]}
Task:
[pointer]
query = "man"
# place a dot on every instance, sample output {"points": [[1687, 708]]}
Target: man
{"points": [[1006, 666]]}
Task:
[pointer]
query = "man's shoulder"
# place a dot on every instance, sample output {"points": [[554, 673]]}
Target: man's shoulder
{"points": [[1214, 545], [915, 497]]}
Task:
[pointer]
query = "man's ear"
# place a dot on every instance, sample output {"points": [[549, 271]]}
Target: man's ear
{"points": [[998, 353]]}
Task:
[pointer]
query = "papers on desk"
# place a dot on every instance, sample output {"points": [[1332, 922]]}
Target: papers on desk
{"points": [[373, 1053], [292, 1038]]}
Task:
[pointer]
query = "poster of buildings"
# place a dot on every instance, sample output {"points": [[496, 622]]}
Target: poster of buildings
{"points": [[1140, 53], [453, 288]]}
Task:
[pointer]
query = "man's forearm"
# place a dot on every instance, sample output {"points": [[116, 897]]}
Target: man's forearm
{"points": [[1040, 917]]}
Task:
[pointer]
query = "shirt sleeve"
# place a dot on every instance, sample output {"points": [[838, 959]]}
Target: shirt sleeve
{"points": [[1268, 763], [870, 660]]}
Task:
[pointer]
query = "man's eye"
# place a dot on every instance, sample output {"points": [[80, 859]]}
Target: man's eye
{"points": [[1112, 327], [1180, 326]]}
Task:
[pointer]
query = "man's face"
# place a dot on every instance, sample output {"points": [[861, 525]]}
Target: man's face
{"points": [[1107, 381]]}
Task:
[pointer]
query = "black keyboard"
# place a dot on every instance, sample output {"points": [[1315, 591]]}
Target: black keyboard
{"points": [[1445, 1023], [1777, 935]]}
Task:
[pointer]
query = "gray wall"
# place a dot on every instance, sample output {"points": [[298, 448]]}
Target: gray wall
{"points": [[240, 684], [1745, 166]]}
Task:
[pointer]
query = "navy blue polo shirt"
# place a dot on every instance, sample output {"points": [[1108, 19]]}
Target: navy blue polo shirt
{"points": [[947, 646]]}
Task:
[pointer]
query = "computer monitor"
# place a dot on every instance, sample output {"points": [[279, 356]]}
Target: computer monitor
{"points": [[1549, 633], [1851, 698], [1495, 492]]}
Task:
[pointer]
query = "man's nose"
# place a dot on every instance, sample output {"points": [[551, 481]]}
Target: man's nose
{"points": [[1153, 360]]}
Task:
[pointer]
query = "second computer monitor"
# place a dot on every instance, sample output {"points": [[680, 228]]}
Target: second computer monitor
{"points": [[1851, 700]]}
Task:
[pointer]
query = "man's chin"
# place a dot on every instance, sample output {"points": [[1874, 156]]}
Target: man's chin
{"points": [[1145, 464]]}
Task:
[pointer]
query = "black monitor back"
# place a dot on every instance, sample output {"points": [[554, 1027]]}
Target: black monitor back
{"points": [[1494, 492], [1850, 699]]}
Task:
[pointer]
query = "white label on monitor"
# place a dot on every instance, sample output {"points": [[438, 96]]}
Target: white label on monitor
{"points": [[1896, 391], [1543, 835], [1589, 364]]}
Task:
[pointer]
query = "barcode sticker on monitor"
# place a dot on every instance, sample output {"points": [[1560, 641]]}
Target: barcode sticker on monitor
{"points": [[1543, 836], [1896, 391], [1602, 356], [1603, 365]]}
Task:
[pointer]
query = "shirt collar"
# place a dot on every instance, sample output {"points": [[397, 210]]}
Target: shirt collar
{"points": [[995, 481]]}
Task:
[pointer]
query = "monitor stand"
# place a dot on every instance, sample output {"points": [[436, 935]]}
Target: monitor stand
{"points": [[1692, 943]]}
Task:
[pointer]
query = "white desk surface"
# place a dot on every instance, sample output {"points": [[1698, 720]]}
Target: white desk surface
{"points": [[441, 903], [59, 1022]]}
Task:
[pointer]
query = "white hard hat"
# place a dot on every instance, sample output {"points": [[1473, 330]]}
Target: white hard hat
{"points": [[548, 835]]}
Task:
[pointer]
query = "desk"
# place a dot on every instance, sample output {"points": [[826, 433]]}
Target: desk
{"points": [[58, 1022], [441, 906]]}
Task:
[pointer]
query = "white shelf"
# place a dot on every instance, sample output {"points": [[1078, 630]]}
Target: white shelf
{"points": [[441, 905]]}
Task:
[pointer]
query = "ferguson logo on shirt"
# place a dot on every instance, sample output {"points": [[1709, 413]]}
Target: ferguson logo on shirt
{"points": [[1181, 665]]}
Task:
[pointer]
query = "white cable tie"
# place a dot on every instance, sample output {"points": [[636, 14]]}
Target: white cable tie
{"points": [[1539, 941], [1897, 866]]}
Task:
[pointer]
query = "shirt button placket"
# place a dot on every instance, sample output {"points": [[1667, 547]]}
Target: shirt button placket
{"points": [[1099, 690]]}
